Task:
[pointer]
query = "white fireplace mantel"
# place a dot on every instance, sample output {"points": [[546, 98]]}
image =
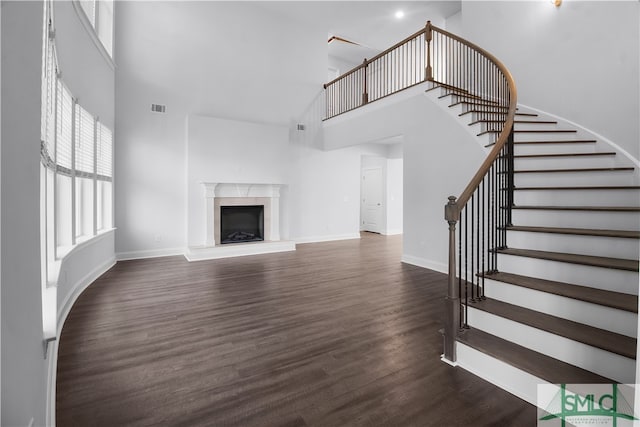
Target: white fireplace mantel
{"points": [[213, 190], [217, 194]]}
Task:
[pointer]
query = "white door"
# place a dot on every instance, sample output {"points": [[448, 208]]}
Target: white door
{"points": [[372, 200]]}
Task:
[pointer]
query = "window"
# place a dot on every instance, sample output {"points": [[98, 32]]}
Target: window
{"points": [[76, 174], [100, 16]]}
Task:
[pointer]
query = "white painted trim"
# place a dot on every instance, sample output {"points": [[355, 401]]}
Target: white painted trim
{"points": [[498, 373], [242, 249], [392, 232], [449, 362], [150, 253], [77, 289], [624, 152], [425, 263], [92, 33], [65, 308], [328, 238]]}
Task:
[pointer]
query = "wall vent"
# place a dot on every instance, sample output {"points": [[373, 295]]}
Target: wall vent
{"points": [[158, 108]]}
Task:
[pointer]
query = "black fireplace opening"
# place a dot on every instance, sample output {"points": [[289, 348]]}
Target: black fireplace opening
{"points": [[240, 224]]}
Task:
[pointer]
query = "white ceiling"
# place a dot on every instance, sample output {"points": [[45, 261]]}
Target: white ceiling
{"points": [[259, 61]]}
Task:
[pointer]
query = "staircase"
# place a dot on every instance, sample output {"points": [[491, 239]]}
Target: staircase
{"points": [[544, 240], [562, 306]]}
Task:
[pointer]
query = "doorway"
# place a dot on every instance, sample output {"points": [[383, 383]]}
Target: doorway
{"points": [[372, 199]]}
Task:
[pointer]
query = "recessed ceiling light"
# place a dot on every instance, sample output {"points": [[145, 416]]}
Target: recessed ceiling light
{"points": [[399, 14]]}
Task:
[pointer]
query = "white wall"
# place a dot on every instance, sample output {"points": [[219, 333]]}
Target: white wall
{"points": [[324, 191], [90, 78], [578, 61], [237, 62], [394, 195], [230, 151], [23, 363], [440, 157]]}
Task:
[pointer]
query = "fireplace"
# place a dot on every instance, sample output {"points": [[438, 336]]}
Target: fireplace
{"points": [[240, 224], [206, 236]]}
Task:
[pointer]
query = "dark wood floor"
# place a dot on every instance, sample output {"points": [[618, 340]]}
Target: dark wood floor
{"points": [[334, 334]]}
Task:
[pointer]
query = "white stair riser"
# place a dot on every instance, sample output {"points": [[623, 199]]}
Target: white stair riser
{"points": [[547, 136], [585, 275], [529, 163], [577, 197], [536, 125], [612, 247], [503, 375], [596, 360], [484, 126], [556, 148], [611, 319], [561, 179], [577, 219]]}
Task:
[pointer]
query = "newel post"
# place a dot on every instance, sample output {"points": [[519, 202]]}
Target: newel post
{"points": [[428, 36], [452, 300], [365, 94]]}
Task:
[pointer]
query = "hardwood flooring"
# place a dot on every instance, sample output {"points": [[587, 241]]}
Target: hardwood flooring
{"points": [[333, 334]]}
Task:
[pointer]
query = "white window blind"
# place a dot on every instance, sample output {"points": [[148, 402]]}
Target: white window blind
{"points": [[84, 140], [105, 149], [48, 103], [64, 127]]}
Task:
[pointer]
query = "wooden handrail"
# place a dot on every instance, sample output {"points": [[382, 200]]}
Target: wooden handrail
{"points": [[486, 88], [508, 125], [378, 56]]}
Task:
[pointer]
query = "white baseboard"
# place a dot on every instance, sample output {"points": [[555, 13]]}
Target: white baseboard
{"points": [[65, 308], [392, 232], [236, 250], [329, 238], [501, 374], [425, 263], [151, 253]]}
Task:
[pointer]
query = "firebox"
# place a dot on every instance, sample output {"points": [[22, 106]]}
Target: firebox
{"points": [[239, 224]]}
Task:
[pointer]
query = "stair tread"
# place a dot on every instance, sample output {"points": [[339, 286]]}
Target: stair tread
{"points": [[533, 122], [610, 187], [532, 131], [595, 337], [558, 141], [497, 113], [488, 104], [594, 261], [613, 169], [627, 234], [619, 300], [554, 141], [580, 208], [601, 153], [437, 85], [537, 364]]}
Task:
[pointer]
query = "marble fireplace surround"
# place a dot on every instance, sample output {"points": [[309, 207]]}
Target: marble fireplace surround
{"points": [[240, 194], [224, 194]]}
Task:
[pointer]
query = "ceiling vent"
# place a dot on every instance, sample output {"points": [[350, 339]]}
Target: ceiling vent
{"points": [[158, 108]]}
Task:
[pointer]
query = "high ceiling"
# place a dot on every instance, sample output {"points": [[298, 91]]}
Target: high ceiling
{"points": [[371, 25], [259, 61]]}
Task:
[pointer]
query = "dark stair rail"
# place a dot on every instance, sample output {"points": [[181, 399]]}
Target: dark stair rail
{"points": [[482, 212]]}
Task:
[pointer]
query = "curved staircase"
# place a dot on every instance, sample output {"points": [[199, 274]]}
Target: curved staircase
{"points": [[562, 305], [543, 243]]}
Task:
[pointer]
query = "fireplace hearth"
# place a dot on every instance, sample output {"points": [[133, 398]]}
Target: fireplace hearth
{"points": [[241, 224]]}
